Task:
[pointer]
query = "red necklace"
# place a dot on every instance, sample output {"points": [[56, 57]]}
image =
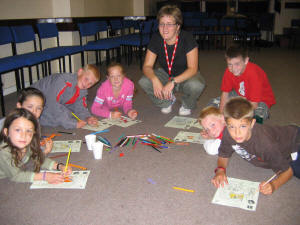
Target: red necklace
{"points": [[173, 56]]}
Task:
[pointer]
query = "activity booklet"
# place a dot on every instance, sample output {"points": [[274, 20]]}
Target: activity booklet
{"points": [[238, 193], [77, 180], [184, 136], [64, 146]]}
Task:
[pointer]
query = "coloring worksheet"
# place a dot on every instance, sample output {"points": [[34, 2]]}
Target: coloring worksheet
{"points": [[184, 136], [122, 122], [63, 146], [182, 122], [238, 193], [102, 125], [77, 180]]}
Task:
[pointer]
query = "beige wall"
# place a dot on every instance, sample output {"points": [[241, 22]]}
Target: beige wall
{"points": [[28, 9]]}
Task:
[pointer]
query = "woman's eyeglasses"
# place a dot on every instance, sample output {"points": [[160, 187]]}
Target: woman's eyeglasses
{"points": [[168, 25]]}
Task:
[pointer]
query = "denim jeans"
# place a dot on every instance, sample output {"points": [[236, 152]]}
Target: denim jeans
{"points": [[262, 110], [191, 89]]}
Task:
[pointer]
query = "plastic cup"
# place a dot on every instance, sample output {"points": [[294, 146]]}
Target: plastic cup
{"points": [[97, 149], [90, 139]]}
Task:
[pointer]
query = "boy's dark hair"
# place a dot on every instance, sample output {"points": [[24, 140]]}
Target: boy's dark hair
{"points": [[236, 51], [170, 10], [238, 108], [28, 92], [37, 155], [115, 64]]}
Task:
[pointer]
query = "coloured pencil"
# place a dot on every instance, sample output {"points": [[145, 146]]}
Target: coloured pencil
{"points": [[100, 131], [80, 167], [57, 156], [66, 167], [64, 132], [75, 116], [272, 178], [183, 189]]}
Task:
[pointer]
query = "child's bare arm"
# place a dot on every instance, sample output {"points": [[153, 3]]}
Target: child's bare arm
{"points": [[220, 178], [269, 188]]}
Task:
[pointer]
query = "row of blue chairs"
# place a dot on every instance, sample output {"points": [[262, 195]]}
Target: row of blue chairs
{"points": [[208, 29], [137, 36]]}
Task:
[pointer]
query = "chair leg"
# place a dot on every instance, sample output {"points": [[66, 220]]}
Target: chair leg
{"points": [[119, 55], [107, 57], [38, 71], [30, 75], [49, 67], [59, 63], [17, 77], [22, 78], [82, 59], [64, 64], [2, 97], [70, 63]]}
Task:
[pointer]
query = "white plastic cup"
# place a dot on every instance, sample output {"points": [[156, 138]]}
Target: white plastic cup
{"points": [[90, 139], [97, 149]]}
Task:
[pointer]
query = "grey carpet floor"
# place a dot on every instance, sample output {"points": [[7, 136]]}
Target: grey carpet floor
{"points": [[118, 191]]}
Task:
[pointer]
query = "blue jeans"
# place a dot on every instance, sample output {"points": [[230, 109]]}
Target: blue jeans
{"points": [[191, 89], [296, 164], [262, 110]]}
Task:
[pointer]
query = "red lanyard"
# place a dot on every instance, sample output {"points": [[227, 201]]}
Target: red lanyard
{"points": [[173, 55]]}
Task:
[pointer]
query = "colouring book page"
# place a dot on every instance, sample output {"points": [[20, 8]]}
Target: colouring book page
{"points": [[102, 125], [63, 146], [197, 125], [79, 179], [181, 122], [238, 193], [122, 122], [184, 136]]}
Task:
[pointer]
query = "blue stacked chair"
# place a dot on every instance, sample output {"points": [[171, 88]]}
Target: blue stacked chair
{"points": [[49, 30], [9, 63], [139, 40], [98, 44], [25, 34], [229, 29]]}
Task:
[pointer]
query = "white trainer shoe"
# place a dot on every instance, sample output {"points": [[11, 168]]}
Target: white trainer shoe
{"points": [[168, 109], [184, 112]]}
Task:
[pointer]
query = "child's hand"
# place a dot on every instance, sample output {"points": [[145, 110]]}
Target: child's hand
{"points": [[54, 178], [48, 146], [266, 189], [93, 121], [116, 114], [204, 134], [68, 172], [220, 179], [80, 123], [132, 114]]}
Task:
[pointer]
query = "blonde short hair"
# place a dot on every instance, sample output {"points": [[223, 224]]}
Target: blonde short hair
{"points": [[170, 10], [209, 110], [238, 108], [94, 69]]}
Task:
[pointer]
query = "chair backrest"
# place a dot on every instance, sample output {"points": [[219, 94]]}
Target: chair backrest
{"points": [[146, 27], [210, 22], [47, 30], [5, 35], [116, 25], [101, 26], [23, 34], [88, 29]]}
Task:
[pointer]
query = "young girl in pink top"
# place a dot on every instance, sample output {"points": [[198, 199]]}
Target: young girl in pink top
{"points": [[115, 93]]}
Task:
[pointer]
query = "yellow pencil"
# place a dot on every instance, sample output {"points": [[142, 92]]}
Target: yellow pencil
{"points": [[75, 116], [67, 160], [182, 189]]}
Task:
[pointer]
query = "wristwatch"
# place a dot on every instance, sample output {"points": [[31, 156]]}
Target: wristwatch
{"points": [[173, 80]]}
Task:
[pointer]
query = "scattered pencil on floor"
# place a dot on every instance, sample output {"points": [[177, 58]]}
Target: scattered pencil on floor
{"points": [[183, 189]]}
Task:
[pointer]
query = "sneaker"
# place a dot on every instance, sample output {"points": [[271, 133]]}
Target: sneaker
{"points": [[168, 109], [184, 112]]}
